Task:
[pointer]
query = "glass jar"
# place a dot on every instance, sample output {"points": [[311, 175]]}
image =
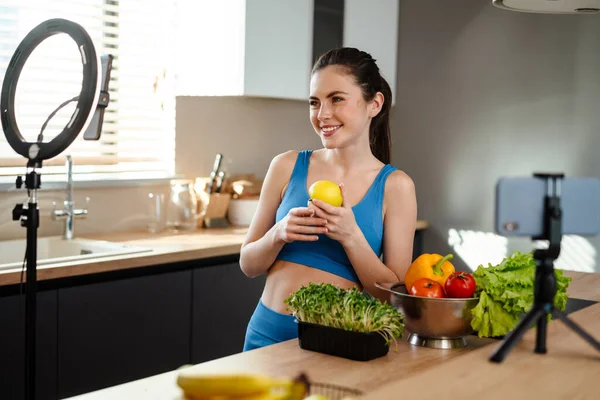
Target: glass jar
{"points": [[182, 207]]}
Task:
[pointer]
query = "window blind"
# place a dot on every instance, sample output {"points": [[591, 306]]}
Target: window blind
{"points": [[138, 133]]}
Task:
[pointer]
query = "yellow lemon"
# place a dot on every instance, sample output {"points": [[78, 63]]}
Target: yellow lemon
{"points": [[316, 397], [326, 191]]}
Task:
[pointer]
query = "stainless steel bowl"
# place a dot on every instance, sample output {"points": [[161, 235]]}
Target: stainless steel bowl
{"points": [[432, 322]]}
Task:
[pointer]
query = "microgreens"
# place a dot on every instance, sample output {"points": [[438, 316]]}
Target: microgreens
{"points": [[328, 305]]}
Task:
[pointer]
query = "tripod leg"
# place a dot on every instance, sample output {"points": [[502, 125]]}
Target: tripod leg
{"points": [[577, 329], [515, 335], [540, 338]]}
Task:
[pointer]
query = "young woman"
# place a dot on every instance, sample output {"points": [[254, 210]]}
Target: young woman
{"points": [[296, 240]]}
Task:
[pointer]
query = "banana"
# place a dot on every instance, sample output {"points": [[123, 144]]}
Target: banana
{"points": [[264, 396], [238, 386]]}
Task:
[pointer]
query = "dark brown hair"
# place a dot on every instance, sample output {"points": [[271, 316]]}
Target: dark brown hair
{"points": [[366, 73]]}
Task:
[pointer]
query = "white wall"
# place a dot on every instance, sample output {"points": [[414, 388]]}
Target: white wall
{"points": [[485, 92]]}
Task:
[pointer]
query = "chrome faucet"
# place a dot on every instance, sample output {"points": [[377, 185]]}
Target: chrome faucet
{"points": [[69, 213]]}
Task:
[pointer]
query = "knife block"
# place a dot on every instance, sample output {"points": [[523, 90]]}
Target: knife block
{"points": [[213, 210]]}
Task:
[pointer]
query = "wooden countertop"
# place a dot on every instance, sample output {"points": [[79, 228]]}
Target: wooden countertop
{"points": [[570, 367], [166, 247], [569, 370]]}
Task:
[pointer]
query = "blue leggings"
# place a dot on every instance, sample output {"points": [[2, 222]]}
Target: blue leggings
{"points": [[267, 327]]}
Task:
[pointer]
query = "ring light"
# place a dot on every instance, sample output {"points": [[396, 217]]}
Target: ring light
{"points": [[89, 104], [86, 102]]}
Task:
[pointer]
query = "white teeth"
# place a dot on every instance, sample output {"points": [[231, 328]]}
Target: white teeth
{"points": [[332, 128]]}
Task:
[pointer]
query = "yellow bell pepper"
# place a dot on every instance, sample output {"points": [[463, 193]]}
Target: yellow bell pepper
{"points": [[432, 266]]}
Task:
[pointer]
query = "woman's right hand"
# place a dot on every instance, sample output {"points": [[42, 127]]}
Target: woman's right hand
{"points": [[301, 224]]}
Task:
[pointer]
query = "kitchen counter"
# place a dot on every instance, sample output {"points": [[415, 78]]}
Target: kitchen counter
{"points": [[568, 370], [165, 248]]}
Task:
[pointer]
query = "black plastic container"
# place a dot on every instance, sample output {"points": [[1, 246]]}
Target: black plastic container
{"points": [[358, 346]]}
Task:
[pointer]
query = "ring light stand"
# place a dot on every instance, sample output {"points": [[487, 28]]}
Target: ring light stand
{"points": [[36, 152]]}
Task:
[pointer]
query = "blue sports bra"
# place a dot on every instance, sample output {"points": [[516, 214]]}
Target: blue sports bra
{"points": [[327, 254]]}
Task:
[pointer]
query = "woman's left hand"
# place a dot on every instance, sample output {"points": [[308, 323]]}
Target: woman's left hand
{"points": [[341, 224]]}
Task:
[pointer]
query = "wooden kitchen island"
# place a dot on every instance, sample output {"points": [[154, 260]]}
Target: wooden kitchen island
{"points": [[570, 369]]}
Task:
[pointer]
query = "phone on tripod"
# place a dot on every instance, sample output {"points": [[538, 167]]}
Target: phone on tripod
{"points": [[520, 206], [545, 207]]}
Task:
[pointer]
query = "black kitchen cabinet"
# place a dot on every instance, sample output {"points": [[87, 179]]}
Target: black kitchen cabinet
{"points": [[223, 302], [12, 346], [118, 331]]}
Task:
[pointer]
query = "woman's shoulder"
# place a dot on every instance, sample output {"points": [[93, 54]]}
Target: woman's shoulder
{"points": [[285, 159], [399, 183], [281, 169], [282, 165]]}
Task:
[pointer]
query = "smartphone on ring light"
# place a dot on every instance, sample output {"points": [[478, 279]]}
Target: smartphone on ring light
{"points": [[94, 129], [519, 206]]}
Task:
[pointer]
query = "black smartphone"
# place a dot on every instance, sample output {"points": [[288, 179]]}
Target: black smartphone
{"points": [[520, 206], [94, 129]]}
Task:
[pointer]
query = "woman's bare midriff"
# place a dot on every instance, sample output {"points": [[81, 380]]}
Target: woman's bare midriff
{"points": [[286, 277]]}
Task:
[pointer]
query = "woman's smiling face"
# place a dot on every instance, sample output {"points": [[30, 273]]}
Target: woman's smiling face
{"points": [[338, 111]]}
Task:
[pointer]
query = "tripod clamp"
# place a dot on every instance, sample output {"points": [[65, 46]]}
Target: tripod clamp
{"points": [[552, 216], [545, 287], [545, 278], [33, 182]]}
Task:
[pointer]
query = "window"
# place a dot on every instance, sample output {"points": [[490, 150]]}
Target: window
{"points": [[139, 124]]}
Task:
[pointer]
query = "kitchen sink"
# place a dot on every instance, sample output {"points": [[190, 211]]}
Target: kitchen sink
{"points": [[55, 249]]}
